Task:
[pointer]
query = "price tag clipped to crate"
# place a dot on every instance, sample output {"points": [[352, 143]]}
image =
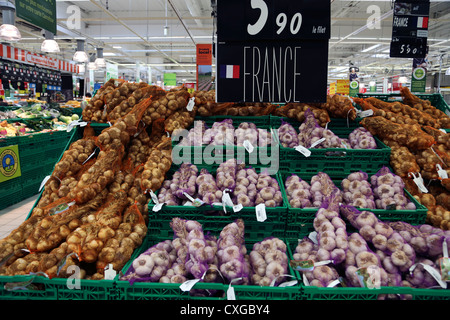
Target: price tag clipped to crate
{"points": [[75, 123], [418, 180], [110, 273], [189, 284], [230, 291], [44, 182], [261, 215], [304, 151], [158, 206]]}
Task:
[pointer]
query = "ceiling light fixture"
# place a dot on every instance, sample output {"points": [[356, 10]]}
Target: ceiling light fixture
{"points": [[49, 44], [8, 31], [91, 65], [80, 55], [100, 61]]}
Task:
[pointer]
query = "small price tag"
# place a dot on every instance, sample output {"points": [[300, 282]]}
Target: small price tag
{"points": [[110, 273], [303, 151], [44, 182], [261, 215], [318, 142], [94, 153], [441, 172], [230, 293], [284, 284], [195, 202], [189, 284], [154, 197], [418, 180], [302, 265], [313, 237], [334, 283], [443, 130], [248, 146], [237, 207], [157, 207], [438, 276], [191, 104], [364, 114]]}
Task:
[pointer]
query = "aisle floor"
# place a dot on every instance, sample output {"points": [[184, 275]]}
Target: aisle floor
{"points": [[13, 216]]}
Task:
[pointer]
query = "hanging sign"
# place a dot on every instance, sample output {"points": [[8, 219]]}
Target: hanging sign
{"points": [[410, 29], [264, 51], [41, 13], [204, 66]]}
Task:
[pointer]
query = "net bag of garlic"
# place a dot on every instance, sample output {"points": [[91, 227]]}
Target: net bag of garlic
{"points": [[174, 100], [410, 136], [88, 239], [128, 236], [64, 217]]}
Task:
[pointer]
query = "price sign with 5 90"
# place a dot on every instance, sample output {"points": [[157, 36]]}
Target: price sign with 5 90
{"points": [[281, 19], [273, 20]]}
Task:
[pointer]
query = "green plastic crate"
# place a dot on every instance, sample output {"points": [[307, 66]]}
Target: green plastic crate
{"points": [[27, 287], [171, 291], [299, 218], [332, 159], [213, 214], [11, 192], [210, 154]]}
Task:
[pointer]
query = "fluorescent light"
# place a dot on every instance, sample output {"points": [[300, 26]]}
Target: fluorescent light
{"points": [[371, 48], [117, 47], [109, 54]]}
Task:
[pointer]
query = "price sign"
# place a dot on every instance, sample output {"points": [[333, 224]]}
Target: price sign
{"points": [[265, 51], [410, 29]]}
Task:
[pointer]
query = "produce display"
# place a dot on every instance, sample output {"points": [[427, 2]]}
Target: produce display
{"points": [[244, 185], [224, 132], [223, 258], [311, 135], [94, 212], [414, 130]]}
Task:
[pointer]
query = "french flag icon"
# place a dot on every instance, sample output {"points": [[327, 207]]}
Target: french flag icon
{"points": [[228, 71], [422, 22]]}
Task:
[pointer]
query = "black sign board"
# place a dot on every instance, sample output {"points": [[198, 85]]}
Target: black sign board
{"points": [[410, 29], [272, 51]]}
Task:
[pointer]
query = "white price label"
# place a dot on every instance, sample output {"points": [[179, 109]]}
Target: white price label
{"points": [[261, 215], [237, 207], [303, 151], [313, 237], [154, 197], [110, 273], [230, 293], [248, 146], [189, 284], [191, 104], [318, 142], [418, 180], [441, 172], [226, 200], [44, 182], [157, 207], [365, 113]]}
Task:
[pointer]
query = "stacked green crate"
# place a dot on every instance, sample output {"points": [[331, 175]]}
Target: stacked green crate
{"points": [[338, 160], [300, 218], [212, 215], [172, 291]]}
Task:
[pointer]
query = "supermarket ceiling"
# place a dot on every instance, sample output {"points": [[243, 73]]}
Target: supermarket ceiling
{"points": [[163, 35]]}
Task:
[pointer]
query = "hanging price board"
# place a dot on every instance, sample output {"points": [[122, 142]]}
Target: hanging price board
{"points": [[410, 29], [264, 51]]}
